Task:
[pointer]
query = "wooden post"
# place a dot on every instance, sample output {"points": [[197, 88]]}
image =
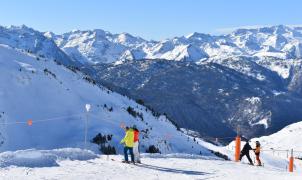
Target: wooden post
{"points": [[291, 161], [237, 148]]}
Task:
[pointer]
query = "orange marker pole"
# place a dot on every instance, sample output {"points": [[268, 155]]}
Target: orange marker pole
{"points": [[30, 122], [291, 162], [237, 148]]}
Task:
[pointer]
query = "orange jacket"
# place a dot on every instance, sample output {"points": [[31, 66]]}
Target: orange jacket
{"points": [[136, 135], [257, 150]]}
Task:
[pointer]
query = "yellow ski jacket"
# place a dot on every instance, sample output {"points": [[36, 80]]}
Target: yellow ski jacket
{"points": [[129, 138]]}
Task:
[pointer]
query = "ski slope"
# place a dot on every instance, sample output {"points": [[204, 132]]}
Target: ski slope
{"points": [[275, 148], [172, 166], [285, 139]]}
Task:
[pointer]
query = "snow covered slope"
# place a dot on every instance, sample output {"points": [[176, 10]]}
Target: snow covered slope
{"points": [[54, 98], [285, 139], [174, 166]]}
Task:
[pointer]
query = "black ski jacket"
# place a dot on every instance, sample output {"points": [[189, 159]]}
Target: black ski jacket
{"points": [[246, 148]]}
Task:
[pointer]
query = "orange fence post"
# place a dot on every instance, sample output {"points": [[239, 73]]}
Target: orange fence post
{"points": [[30, 122], [291, 162], [237, 148]]}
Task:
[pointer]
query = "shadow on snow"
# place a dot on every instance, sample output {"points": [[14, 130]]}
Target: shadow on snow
{"points": [[164, 169]]}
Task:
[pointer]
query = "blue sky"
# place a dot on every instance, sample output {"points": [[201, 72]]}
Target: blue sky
{"points": [[150, 19]]}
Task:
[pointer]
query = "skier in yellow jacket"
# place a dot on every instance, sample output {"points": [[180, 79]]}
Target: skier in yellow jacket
{"points": [[128, 142]]}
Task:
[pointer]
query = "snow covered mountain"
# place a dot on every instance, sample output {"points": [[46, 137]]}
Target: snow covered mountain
{"points": [[247, 77], [53, 98], [244, 50], [99, 46], [32, 41], [211, 84]]}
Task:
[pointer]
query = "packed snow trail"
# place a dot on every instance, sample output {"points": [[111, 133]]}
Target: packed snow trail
{"points": [[174, 166]]}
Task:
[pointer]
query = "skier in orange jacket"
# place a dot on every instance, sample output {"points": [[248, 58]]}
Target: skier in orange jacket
{"points": [[136, 145], [257, 153]]}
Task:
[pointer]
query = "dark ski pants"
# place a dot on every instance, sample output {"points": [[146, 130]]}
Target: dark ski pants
{"points": [[130, 149], [247, 156]]}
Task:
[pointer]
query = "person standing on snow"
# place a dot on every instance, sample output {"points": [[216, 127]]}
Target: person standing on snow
{"points": [[246, 152], [128, 142], [136, 144], [257, 153]]}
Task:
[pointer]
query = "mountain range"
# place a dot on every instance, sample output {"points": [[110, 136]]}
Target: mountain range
{"points": [[98, 46], [249, 79]]}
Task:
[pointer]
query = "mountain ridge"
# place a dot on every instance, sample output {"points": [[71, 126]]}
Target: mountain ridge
{"points": [[276, 41]]}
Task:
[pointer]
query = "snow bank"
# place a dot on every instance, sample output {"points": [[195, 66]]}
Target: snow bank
{"points": [[43, 158]]}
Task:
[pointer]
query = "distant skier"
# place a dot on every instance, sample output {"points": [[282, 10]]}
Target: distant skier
{"points": [[128, 142], [246, 152], [136, 145], [257, 153]]}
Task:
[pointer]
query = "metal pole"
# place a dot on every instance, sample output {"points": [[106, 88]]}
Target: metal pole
{"points": [[88, 107], [86, 124], [287, 154]]}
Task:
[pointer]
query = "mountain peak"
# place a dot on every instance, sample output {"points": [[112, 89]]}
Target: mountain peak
{"points": [[197, 35]]}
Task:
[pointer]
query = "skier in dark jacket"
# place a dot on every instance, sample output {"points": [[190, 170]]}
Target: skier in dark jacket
{"points": [[246, 152]]}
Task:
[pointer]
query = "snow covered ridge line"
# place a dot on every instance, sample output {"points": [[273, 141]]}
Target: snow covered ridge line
{"points": [[98, 46]]}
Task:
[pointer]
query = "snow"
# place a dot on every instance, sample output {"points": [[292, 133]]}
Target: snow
{"points": [[97, 46], [275, 45], [153, 167], [277, 93], [43, 158], [280, 55], [285, 139], [54, 98], [74, 163], [27, 67], [253, 100], [264, 122]]}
